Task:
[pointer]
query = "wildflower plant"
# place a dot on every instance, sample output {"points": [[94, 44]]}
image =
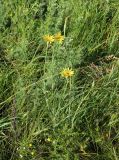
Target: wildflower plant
{"points": [[58, 37], [54, 38], [49, 139], [50, 111], [67, 73], [48, 38]]}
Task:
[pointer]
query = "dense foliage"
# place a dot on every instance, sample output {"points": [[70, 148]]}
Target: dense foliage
{"points": [[45, 112]]}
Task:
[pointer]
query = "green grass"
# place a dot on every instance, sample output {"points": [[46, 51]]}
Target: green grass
{"points": [[63, 119]]}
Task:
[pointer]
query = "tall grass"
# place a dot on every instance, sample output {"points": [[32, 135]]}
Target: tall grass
{"points": [[44, 116]]}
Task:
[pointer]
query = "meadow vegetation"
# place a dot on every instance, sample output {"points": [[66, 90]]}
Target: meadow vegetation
{"points": [[59, 79]]}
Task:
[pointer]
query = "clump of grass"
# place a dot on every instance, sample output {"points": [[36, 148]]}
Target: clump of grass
{"points": [[59, 80]]}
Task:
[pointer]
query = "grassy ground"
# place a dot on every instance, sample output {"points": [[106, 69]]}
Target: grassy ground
{"points": [[44, 116]]}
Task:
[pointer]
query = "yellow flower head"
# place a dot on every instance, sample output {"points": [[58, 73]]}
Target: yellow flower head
{"points": [[32, 153], [58, 37], [30, 145], [49, 139], [67, 73], [48, 38]]}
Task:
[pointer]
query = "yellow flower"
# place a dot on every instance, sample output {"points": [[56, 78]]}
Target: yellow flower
{"points": [[67, 73], [49, 139], [30, 145], [32, 153], [58, 37], [48, 38]]}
